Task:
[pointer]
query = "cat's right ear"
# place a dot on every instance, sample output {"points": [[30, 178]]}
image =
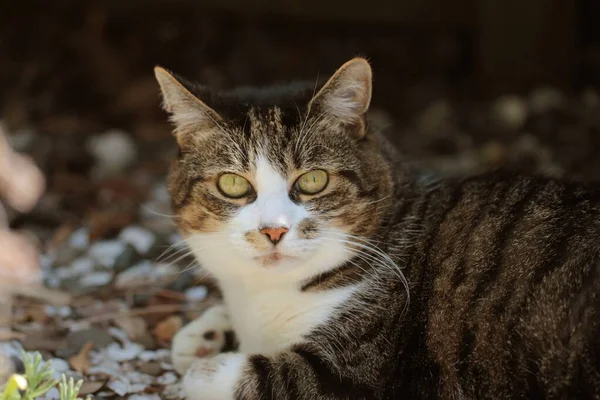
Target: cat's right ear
{"points": [[188, 113]]}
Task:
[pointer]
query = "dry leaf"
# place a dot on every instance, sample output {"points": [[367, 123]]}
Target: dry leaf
{"points": [[135, 327], [61, 235], [91, 387], [46, 340], [81, 361], [166, 329]]}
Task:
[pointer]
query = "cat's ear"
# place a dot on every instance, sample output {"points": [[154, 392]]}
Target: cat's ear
{"points": [[347, 94], [188, 112]]}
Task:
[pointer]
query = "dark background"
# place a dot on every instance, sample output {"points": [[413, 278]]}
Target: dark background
{"points": [[72, 69]]}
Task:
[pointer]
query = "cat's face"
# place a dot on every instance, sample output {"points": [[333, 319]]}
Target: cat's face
{"points": [[277, 185]]}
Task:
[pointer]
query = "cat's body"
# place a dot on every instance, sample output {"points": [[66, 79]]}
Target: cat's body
{"points": [[360, 282]]}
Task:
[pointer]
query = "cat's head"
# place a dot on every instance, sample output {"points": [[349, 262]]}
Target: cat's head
{"points": [[280, 179]]}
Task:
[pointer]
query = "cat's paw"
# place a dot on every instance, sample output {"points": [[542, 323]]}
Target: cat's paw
{"points": [[203, 337], [214, 378]]}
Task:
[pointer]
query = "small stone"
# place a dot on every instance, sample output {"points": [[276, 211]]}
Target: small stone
{"points": [[138, 237], [66, 255], [80, 239], [107, 251], [152, 368], [59, 366], [82, 265], [62, 311], [173, 392], [144, 397], [511, 111], [135, 327], [129, 351], [139, 377], [175, 238], [76, 340], [546, 99], [114, 150], [96, 279], [168, 378], [196, 293], [126, 259], [183, 281], [147, 340]]}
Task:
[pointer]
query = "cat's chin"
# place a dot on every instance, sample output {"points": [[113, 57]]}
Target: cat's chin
{"points": [[275, 260]]}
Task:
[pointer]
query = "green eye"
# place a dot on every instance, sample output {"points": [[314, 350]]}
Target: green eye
{"points": [[234, 186], [313, 182]]}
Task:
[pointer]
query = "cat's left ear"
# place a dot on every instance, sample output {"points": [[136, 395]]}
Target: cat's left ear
{"points": [[347, 94]]}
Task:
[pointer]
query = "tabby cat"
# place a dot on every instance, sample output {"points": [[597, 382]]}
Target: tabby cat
{"points": [[345, 276]]}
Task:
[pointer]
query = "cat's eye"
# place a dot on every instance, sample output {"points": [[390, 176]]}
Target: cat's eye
{"points": [[312, 182], [234, 186]]}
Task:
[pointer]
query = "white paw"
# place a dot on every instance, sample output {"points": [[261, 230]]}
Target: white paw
{"points": [[214, 378], [203, 337]]}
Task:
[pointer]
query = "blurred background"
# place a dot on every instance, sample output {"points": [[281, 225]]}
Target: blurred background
{"points": [[461, 86]]}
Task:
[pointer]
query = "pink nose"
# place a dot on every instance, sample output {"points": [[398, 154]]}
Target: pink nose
{"points": [[274, 234]]}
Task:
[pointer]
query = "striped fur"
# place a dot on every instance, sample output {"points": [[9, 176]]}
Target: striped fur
{"points": [[502, 270]]}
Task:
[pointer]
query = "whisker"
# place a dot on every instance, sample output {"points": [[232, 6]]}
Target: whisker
{"points": [[379, 256]]}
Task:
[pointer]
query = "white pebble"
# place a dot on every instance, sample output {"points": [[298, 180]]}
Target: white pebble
{"points": [[139, 273], [168, 378], [196, 293], [128, 352], [546, 99], [107, 251], [115, 150], [46, 261], [122, 386], [96, 279], [118, 333], [511, 110], [138, 377], [176, 239], [82, 265], [167, 367], [144, 397], [53, 282], [59, 365], [62, 311], [80, 239], [138, 237], [151, 355]]}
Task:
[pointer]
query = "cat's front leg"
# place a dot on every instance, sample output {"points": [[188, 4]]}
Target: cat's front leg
{"points": [[215, 378], [302, 373], [206, 336]]}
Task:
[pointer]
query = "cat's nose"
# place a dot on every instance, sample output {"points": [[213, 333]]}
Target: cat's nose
{"points": [[274, 234]]}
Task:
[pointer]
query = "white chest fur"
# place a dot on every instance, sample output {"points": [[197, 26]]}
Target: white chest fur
{"points": [[268, 320]]}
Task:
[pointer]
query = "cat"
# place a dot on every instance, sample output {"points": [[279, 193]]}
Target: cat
{"points": [[345, 276]]}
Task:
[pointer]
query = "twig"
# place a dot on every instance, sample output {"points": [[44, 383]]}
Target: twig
{"points": [[10, 335], [39, 293], [136, 312]]}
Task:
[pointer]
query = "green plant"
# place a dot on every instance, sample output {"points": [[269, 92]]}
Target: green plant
{"points": [[37, 381]]}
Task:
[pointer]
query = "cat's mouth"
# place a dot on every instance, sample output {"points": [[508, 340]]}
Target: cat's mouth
{"points": [[273, 258]]}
